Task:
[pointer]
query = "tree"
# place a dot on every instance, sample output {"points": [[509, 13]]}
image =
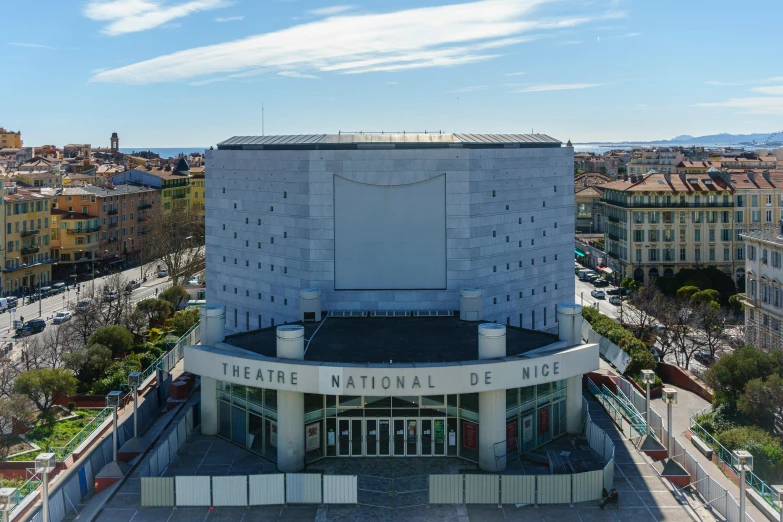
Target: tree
{"points": [[708, 320], [175, 237], [116, 338], [729, 375], [686, 292], [156, 310], [183, 320], [89, 363], [15, 412], [737, 303], [763, 399], [175, 296], [44, 386]]}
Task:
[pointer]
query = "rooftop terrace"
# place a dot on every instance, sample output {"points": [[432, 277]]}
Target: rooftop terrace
{"points": [[398, 339]]}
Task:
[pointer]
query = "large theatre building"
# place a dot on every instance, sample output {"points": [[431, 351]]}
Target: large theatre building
{"points": [[390, 296]]}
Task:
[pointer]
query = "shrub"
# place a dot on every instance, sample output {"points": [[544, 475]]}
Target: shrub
{"points": [[71, 405], [641, 358]]}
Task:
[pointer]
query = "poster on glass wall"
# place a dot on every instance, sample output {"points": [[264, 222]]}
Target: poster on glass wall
{"points": [[470, 436], [439, 425], [313, 436], [273, 434], [543, 421], [511, 435], [527, 429]]}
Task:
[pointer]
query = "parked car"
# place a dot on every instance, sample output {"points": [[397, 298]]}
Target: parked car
{"points": [[83, 305], [132, 285], [615, 300], [110, 296], [31, 327], [163, 273], [59, 287], [704, 358], [61, 317], [600, 282], [12, 301], [598, 294], [616, 291], [591, 277]]}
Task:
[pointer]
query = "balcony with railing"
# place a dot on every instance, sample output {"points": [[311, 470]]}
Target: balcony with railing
{"points": [[113, 239], [30, 250], [144, 206], [670, 204], [28, 233], [613, 237], [113, 211], [613, 219], [80, 230], [179, 196], [142, 219], [114, 225]]}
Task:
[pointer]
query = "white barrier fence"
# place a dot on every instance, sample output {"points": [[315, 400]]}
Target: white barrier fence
{"points": [[609, 351], [249, 490], [159, 458]]}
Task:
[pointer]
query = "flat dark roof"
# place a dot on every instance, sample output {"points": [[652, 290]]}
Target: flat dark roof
{"points": [[397, 339], [345, 141]]}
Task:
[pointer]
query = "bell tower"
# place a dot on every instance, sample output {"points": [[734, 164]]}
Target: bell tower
{"points": [[115, 142]]}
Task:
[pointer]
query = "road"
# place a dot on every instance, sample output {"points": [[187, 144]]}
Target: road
{"points": [[583, 297], [49, 306]]}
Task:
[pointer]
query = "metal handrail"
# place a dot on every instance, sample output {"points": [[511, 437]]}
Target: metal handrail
{"points": [[725, 456]]}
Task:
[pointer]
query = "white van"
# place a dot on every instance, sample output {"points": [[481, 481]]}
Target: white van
{"points": [[3, 304]]}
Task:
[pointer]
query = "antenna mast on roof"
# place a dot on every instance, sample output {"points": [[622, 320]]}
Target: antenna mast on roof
{"points": [[262, 118]]}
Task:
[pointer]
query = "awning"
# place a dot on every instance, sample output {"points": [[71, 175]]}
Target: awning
{"points": [[606, 269], [579, 252]]}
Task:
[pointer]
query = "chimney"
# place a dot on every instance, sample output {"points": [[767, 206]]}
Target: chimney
{"points": [[765, 174], [682, 177], [213, 325], [470, 304], [752, 176], [310, 304], [668, 177], [633, 178], [290, 341], [491, 341], [569, 322], [625, 177]]}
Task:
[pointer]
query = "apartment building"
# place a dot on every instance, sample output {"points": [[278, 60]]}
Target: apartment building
{"points": [[764, 289], [10, 139], [122, 213], [660, 160], [75, 237], [173, 183], [26, 228], [658, 224]]}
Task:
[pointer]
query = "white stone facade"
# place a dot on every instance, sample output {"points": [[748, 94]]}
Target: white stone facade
{"points": [[509, 230]]}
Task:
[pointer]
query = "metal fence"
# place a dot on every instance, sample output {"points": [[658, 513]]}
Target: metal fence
{"points": [[608, 350], [724, 455], [248, 490], [28, 493]]}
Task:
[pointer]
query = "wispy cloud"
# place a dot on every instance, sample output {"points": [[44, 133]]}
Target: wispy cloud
{"points": [[628, 35], [766, 105], [442, 36], [472, 88], [520, 73], [772, 89], [223, 19], [331, 10], [130, 16], [294, 74], [392, 83], [571, 42], [32, 45], [559, 87], [740, 83]]}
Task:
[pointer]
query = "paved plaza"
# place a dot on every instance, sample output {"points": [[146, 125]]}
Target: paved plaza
{"points": [[396, 489]]}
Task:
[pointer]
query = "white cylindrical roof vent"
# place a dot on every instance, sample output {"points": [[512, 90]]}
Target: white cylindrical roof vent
{"points": [[491, 340], [470, 304], [290, 341], [213, 324], [569, 323], [310, 304]]}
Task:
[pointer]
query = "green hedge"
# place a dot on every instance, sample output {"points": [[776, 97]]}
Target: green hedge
{"points": [[641, 358]]}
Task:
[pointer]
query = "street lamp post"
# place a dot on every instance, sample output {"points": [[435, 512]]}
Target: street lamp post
{"points": [[44, 464], [670, 398], [113, 400], [9, 498], [134, 381], [743, 461], [648, 378], [779, 492]]}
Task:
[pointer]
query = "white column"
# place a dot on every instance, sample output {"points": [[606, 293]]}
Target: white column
{"points": [[290, 432], [213, 324], [290, 405], [492, 430], [574, 405], [209, 420]]}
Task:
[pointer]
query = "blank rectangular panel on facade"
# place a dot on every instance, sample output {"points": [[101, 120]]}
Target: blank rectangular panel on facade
{"points": [[390, 237]]}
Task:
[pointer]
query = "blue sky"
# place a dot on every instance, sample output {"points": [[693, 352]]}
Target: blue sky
{"points": [[181, 73]]}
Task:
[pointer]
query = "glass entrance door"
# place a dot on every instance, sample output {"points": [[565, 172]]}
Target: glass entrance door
{"points": [[356, 437], [384, 437], [412, 437], [371, 437], [426, 437], [399, 437], [343, 437], [439, 437]]}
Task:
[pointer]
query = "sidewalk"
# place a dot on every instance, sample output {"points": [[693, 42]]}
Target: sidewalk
{"points": [[689, 403]]}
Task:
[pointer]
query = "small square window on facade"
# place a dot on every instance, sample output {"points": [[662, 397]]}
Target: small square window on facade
{"points": [[235, 235], [544, 289], [544, 233], [520, 264], [247, 263], [235, 260], [247, 221], [520, 221], [508, 298], [271, 240], [532, 242], [520, 244], [544, 259], [506, 207], [285, 269], [259, 221], [533, 291], [224, 288], [235, 290], [224, 259], [532, 261], [285, 235], [520, 295], [493, 193], [532, 219], [285, 195], [555, 188], [555, 286], [259, 244], [259, 264], [508, 239], [555, 224], [247, 293], [272, 299], [555, 257], [285, 302], [224, 226], [271, 209], [544, 203], [508, 266], [235, 205], [259, 296], [247, 243]]}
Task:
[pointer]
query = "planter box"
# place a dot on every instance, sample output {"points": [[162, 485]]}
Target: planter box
{"points": [[655, 392]]}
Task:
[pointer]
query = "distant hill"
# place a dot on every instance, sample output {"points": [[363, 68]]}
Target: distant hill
{"points": [[772, 138]]}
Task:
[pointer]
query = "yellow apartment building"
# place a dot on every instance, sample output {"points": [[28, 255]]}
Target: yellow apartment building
{"points": [[10, 139], [27, 239], [75, 239]]}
